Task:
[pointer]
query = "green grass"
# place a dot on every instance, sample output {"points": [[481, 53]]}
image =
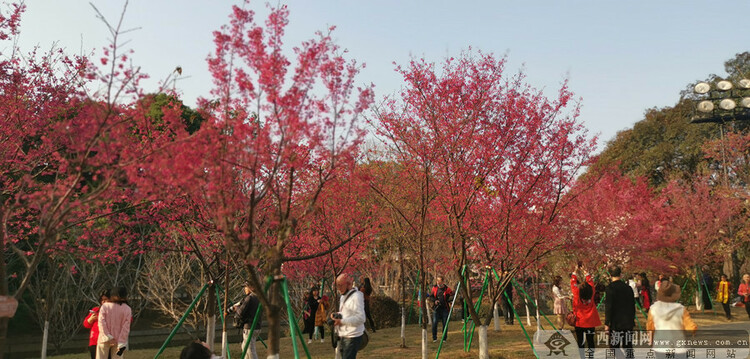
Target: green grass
{"points": [[509, 343], [385, 344]]}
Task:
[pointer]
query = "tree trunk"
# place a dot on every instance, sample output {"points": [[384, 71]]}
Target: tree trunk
{"points": [[425, 349], [402, 276], [496, 316], [403, 327], [528, 313], [484, 352], [274, 319], [211, 320], [45, 337]]}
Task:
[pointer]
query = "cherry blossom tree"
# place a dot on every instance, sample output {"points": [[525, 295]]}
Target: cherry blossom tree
{"points": [[70, 133], [497, 147], [280, 129]]}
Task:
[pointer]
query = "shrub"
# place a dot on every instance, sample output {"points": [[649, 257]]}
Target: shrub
{"points": [[385, 311]]}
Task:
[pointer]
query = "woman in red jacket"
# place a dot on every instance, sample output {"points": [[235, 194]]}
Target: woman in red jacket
{"points": [[584, 307], [92, 322]]}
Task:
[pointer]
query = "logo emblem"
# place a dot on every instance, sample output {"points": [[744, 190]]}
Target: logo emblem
{"points": [[556, 344]]}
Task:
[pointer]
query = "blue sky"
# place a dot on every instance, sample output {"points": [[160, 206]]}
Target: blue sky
{"points": [[620, 57]]}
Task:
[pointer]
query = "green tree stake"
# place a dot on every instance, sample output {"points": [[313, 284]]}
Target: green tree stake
{"points": [[601, 301], [445, 330], [463, 329], [293, 328], [182, 320], [518, 287], [221, 315], [413, 296], [682, 290], [246, 343], [713, 304], [450, 312], [518, 318]]}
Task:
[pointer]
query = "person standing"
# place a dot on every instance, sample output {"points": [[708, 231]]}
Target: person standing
{"points": [[658, 282], [350, 322], [706, 284], [114, 325], [92, 322], [584, 307], [744, 292], [367, 291], [668, 319], [508, 301], [560, 307], [320, 316], [722, 295], [246, 310], [634, 287], [440, 297], [644, 292], [311, 309], [619, 312]]}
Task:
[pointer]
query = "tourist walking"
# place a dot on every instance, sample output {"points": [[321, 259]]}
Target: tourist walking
{"points": [[349, 322], [644, 292], [669, 319], [634, 286], [560, 307], [311, 308], [707, 283], [114, 325], [722, 295], [440, 298], [92, 322], [245, 310], [367, 291], [321, 315], [744, 292], [619, 312]]}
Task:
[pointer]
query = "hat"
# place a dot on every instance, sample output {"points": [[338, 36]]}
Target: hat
{"points": [[668, 292]]}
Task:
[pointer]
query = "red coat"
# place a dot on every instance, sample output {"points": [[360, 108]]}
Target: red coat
{"points": [[586, 314], [94, 334]]}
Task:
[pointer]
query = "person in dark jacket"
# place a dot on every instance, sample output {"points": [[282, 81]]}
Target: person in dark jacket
{"points": [[246, 310], [366, 289], [440, 297], [508, 302], [707, 283], [311, 308], [619, 312]]}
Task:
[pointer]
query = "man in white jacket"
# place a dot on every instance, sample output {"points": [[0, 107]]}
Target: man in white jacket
{"points": [[350, 326]]}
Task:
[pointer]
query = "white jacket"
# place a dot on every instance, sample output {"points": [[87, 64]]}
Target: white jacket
{"points": [[352, 314]]}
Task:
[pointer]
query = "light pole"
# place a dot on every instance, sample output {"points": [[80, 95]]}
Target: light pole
{"points": [[721, 103]]}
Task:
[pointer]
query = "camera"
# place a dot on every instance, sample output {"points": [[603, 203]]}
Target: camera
{"points": [[336, 315]]}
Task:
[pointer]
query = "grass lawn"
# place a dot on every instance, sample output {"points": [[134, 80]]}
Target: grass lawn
{"points": [[509, 343]]}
